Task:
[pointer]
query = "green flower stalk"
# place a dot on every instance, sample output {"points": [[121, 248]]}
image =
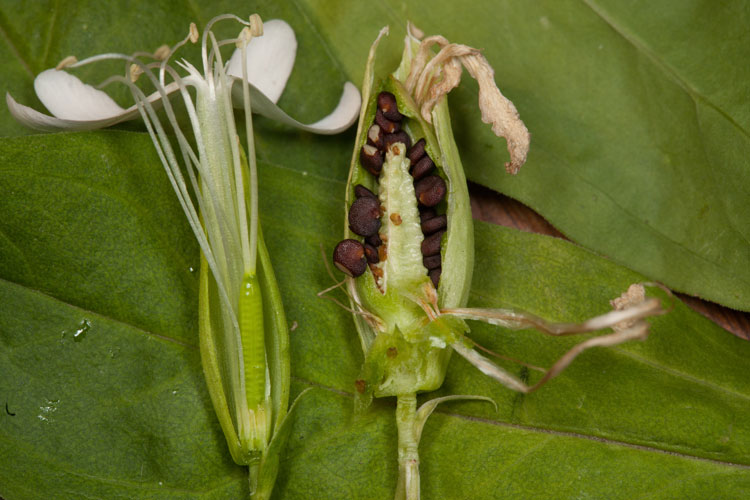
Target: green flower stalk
{"points": [[408, 249], [244, 339]]}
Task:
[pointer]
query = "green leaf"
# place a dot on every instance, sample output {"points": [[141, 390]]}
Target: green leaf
{"points": [[126, 406]]}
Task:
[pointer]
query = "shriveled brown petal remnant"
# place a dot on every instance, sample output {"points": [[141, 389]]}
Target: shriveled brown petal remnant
{"points": [[433, 77], [636, 294]]}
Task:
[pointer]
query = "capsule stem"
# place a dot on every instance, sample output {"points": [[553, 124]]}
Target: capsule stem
{"points": [[408, 447]]}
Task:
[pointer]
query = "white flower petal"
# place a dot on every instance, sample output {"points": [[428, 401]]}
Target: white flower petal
{"points": [[68, 98], [270, 59], [338, 120]]}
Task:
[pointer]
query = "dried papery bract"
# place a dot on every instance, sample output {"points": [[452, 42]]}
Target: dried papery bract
{"points": [[242, 329], [411, 210]]}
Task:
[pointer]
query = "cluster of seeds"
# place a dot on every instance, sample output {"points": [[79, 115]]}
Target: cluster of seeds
{"points": [[351, 256]]}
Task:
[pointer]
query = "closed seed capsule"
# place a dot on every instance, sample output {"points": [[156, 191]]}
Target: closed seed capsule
{"points": [[422, 167], [430, 190], [435, 224], [395, 137], [435, 276], [360, 191], [385, 124], [375, 136], [431, 244], [432, 262], [364, 216], [349, 257], [416, 152], [371, 159], [388, 105], [371, 253]]}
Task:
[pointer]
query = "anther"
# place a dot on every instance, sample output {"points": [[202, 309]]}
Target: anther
{"points": [[256, 25], [435, 224], [430, 190], [385, 124], [364, 216], [400, 136], [422, 167], [431, 244], [162, 53], [371, 253], [68, 61], [135, 72], [371, 159], [375, 136], [194, 34], [388, 105], [349, 257], [435, 276], [360, 191], [416, 152], [432, 262]]}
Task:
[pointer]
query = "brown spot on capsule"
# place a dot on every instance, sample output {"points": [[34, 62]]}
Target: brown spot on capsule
{"points": [[396, 218], [400, 136], [416, 151], [435, 276], [431, 244], [371, 253], [360, 385], [364, 216], [388, 105], [382, 252], [349, 257], [375, 136], [422, 167], [432, 262], [391, 352], [430, 190], [386, 125], [435, 224], [376, 271], [360, 191], [371, 159]]}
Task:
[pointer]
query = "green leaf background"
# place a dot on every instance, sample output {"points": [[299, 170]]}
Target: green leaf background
{"points": [[639, 123]]}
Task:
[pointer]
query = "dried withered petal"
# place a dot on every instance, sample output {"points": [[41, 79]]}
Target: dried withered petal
{"points": [[399, 136], [375, 136], [431, 244], [422, 167], [349, 257], [371, 159], [360, 191], [371, 253], [364, 216], [374, 240], [430, 190], [416, 151], [388, 105], [386, 125], [426, 213], [435, 276], [435, 224], [432, 262]]}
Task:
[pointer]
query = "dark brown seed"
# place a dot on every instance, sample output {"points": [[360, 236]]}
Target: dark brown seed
{"points": [[386, 125], [364, 216], [371, 159], [371, 253], [432, 262], [416, 151], [435, 276], [388, 105], [349, 257], [360, 191], [435, 224], [375, 136], [374, 240], [430, 190], [421, 168], [360, 385], [426, 213], [399, 136], [431, 244]]}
